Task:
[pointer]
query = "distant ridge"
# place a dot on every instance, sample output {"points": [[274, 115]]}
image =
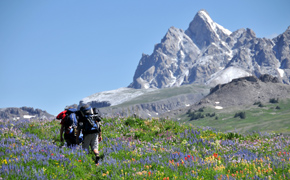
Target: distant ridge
{"points": [[24, 113]]}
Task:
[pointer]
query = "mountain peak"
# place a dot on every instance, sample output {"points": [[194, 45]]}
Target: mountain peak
{"points": [[207, 53], [204, 31], [205, 16]]}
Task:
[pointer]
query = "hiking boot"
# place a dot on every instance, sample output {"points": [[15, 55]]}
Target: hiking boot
{"points": [[97, 158]]}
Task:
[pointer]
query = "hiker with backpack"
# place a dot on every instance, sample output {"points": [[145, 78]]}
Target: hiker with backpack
{"points": [[89, 124], [68, 128]]}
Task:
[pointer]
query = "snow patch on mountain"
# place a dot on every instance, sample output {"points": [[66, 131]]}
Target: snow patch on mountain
{"points": [[227, 75], [115, 97], [28, 116], [281, 72]]}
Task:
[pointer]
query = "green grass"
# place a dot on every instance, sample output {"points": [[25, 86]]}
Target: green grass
{"points": [[164, 93], [262, 119]]}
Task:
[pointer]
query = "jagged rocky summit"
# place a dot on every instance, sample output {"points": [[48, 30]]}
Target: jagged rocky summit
{"points": [[207, 53]]}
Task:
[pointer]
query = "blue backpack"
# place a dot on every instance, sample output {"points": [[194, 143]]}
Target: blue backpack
{"points": [[70, 122], [90, 120]]}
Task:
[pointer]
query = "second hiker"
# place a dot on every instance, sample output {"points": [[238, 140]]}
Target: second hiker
{"points": [[89, 123]]}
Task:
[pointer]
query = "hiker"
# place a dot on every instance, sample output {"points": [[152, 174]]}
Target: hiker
{"points": [[89, 123], [69, 126]]}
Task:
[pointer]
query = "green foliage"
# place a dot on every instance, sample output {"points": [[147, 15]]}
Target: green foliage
{"points": [[134, 122], [232, 135], [45, 131]]}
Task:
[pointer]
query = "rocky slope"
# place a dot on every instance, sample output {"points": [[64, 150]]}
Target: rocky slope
{"points": [[24, 113], [240, 92], [153, 109], [247, 90], [207, 53], [145, 103]]}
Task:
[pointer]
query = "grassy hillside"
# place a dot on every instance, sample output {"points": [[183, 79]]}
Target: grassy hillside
{"points": [[142, 149], [160, 94], [267, 117]]}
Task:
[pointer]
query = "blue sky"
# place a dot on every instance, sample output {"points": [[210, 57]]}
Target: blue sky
{"points": [[54, 53]]}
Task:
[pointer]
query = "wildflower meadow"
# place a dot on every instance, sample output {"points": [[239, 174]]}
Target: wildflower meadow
{"points": [[134, 148]]}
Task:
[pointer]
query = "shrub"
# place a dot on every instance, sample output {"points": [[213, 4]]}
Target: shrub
{"points": [[273, 100], [194, 116], [133, 121], [198, 114], [261, 105], [242, 115], [257, 103], [201, 109]]}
